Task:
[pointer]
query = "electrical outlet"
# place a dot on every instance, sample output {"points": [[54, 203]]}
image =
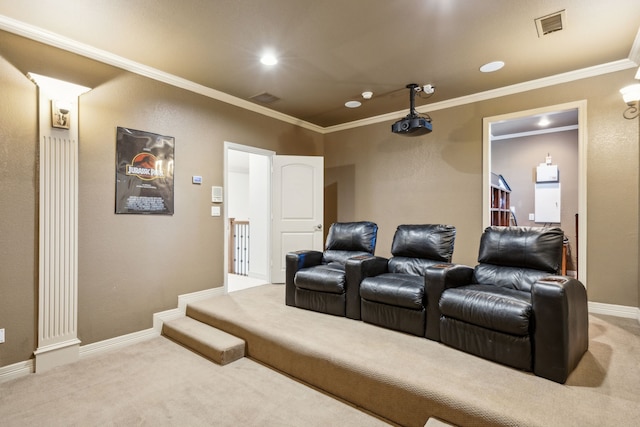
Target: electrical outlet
{"points": [[1, 335], [532, 217]]}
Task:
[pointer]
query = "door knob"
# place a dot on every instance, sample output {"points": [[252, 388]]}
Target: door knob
{"points": [[319, 227]]}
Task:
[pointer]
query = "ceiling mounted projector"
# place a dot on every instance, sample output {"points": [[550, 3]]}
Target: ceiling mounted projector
{"points": [[413, 124]]}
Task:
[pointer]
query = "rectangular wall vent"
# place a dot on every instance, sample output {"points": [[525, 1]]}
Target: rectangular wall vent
{"points": [[265, 98], [550, 23]]}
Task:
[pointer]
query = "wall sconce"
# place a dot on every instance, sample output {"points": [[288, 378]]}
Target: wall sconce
{"points": [[63, 96], [60, 113], [631, 95]]}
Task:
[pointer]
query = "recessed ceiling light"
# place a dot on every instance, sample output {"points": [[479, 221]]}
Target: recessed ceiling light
{"points": [[367, 94], [269, 59], [544, 122], [352, 104], [492, 66]]}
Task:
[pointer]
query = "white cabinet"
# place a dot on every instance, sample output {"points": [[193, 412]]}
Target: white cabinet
{"points": [[547, 202]]}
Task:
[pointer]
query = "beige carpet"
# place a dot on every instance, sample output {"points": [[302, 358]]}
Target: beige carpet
{"points": [[408, 379], [160, 383]]}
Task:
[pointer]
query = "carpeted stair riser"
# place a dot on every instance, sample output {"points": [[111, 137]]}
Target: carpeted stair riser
{"points": [[385, 396], [407, 379], [217, 345]]}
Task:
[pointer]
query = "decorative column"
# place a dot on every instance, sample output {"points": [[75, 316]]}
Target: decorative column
{"points": [[58, 342]]}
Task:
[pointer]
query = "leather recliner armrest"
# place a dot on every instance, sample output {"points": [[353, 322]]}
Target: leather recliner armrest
{"points": [[357, 269], [561, 333], [437, 278], [295, 261]]}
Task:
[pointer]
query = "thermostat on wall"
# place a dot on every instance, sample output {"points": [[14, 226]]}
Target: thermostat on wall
{"points": [[196, 179]]}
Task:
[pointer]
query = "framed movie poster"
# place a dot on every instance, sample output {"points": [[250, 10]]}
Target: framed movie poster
{"points": [[144, 172]]}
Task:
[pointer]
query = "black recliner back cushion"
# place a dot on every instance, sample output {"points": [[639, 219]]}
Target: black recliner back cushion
{"points": [[349, 239], [534, 248], [430, 241], [352, 236]]}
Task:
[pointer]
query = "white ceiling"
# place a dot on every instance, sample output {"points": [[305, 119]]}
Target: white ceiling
{"points": [[330, 51], [556, 121]]}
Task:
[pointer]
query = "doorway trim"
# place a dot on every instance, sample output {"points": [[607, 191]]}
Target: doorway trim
{"points": [[581, 106], [228, 146]]}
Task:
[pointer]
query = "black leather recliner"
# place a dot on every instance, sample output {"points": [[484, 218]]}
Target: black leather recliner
{"points": [[396, 298], [513, 308], [329, 281]]}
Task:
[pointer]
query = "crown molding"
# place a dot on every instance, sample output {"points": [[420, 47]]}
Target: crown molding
{"points": [[52, 39], [597, 70], [634, 54]]}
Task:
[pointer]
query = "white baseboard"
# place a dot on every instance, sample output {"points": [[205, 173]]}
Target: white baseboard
{"points": [[165, 316], [117, 342], [17, 370], [175, 313], [615, 310], [183, 300]]}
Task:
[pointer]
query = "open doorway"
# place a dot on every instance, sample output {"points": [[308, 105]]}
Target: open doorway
{"points": [[247, 207], [279, 201], [514, 147]]}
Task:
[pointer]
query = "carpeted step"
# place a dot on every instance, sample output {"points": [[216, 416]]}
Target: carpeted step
{"points": [[212, 343], [435, 422]]}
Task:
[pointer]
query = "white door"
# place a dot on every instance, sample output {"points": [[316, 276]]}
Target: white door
{"points": [[298, 198]]}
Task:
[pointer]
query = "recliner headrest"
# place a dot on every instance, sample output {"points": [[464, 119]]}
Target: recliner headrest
{"points": [[352, 236], [430, 241], [526, 247]]}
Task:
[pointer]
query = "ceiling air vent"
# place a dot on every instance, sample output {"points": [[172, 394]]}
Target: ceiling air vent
{"points": [[264, 98], [550, 23]]}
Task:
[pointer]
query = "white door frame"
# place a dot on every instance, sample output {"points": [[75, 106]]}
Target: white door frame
{"points": [[581, 106], [247, 149]]}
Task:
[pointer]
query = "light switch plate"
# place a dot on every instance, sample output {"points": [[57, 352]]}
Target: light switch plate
{"points": [[216, 194], [215, 210], [1, 335]]}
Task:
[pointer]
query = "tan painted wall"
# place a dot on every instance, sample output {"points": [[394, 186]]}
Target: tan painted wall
{"points": [[131, 266], [393, 180], [18, 219], [437, 178]]}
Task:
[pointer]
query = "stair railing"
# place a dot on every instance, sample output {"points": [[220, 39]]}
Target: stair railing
{"points": [[239, 247]]}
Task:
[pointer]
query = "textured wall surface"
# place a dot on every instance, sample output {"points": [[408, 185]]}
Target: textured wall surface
{"points": [[18, 214]]}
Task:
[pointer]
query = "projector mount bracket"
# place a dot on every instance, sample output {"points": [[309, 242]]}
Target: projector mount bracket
{"points": [[413, 89]]}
